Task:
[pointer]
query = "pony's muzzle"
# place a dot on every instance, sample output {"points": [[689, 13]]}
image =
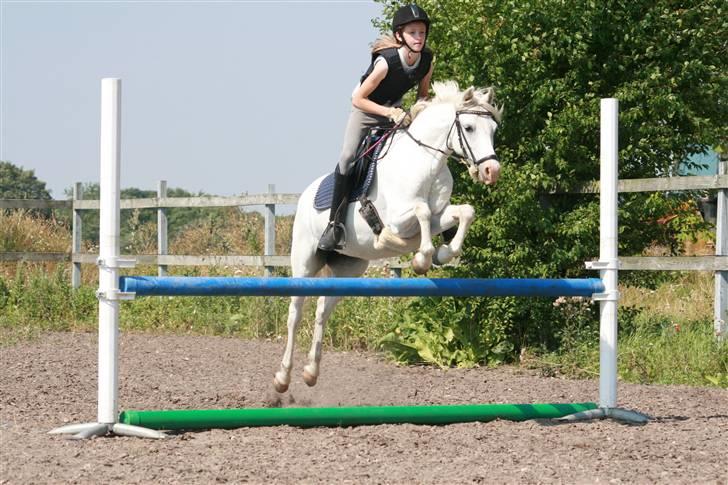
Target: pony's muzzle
{"points": [[488, 169]]}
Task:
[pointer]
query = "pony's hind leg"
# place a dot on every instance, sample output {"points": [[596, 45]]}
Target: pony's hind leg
{"points": [[324, 306], [283, 377], [340, 266], [304, 262]]}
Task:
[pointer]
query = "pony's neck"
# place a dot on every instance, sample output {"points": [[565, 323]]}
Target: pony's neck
{"points": [[432, 128]]}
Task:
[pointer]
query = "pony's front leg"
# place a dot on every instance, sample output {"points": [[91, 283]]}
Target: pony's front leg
{"points": [[463, 215], [283, 376], [324, 306], [422, 260]]}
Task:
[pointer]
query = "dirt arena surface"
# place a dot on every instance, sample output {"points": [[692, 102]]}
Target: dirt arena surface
{"points": [[52, 381]]}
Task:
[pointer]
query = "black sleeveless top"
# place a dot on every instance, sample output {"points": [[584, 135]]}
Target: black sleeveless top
{"points": [[397, 81]]}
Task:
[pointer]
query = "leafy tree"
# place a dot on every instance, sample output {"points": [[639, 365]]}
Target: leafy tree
{"points": [[16, 183], [551, 61]]}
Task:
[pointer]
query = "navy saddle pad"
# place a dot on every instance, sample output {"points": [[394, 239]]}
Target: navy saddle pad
{"points": [[362, 173]]}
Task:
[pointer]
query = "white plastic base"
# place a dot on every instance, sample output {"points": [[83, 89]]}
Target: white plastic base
{"points": [[89, 430], [619, 414]]}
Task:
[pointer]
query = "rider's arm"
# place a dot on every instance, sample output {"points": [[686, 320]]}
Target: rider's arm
{"points": [[423, 90], [360, 98]]}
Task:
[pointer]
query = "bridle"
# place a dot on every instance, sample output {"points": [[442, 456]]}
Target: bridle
{"points": [[468, 159]]}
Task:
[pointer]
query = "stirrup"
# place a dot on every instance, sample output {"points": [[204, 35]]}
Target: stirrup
{"points": [[329, 241]]}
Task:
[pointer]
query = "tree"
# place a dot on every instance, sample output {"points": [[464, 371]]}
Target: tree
{"points": [[551, 61], [16, 183]]}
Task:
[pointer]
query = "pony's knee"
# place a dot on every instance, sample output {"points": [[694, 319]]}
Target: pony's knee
{"points": [[466, 212], [421, 263]]}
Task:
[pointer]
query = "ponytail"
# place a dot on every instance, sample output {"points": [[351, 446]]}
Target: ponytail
{"points": [[385, 42]]}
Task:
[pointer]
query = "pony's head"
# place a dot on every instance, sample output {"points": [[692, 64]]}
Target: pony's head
{"points": [[473, 119]]}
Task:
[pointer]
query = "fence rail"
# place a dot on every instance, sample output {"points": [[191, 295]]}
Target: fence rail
{"points": [[195, 202], [661, 184], [36, 204], [35, 257], [674, 263]]}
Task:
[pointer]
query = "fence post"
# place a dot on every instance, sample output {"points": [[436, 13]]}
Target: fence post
{"points": [[161, 228], [270, 231], [76, 236], [721, 249]]}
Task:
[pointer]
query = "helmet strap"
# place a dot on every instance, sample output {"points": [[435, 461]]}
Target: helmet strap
{"points": [[399, 31]]}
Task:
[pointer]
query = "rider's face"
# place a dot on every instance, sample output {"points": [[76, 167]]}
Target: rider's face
{"points": [[415, 34]]}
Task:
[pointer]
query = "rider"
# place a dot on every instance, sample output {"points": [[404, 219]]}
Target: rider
{"points": [[399, 62]]}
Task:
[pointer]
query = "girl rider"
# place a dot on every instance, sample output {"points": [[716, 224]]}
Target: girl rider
{"points": [[399, 62]]}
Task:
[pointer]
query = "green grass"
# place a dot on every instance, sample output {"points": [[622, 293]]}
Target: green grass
{"points": [[659, 352], [653, 348]]}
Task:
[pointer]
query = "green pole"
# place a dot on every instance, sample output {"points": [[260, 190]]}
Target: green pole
{"points": [[345, 416]]}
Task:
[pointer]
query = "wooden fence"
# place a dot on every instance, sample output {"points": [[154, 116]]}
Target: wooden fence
{"points": [[269, 260]]}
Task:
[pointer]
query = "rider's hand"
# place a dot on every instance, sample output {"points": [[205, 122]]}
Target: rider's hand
{"points": [[396, 114]]}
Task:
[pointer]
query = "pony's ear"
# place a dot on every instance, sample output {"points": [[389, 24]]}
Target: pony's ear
{"points": [[488, 98], [468, 94]]}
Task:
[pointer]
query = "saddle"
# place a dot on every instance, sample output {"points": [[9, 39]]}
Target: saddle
{"points": [[362, 173]]}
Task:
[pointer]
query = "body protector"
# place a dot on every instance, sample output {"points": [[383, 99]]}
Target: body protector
{"points": [[397, 81]]}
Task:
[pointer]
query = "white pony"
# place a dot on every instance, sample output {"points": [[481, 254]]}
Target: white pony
{"points": [[411, 192]]}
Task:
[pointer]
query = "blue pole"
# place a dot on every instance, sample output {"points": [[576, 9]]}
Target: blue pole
{"points": [[222, 286]]}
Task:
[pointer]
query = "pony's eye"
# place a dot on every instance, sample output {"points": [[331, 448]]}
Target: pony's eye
{"points": [[469, 128]]}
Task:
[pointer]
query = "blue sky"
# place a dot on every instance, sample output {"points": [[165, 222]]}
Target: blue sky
{"points": [[222, 97]]}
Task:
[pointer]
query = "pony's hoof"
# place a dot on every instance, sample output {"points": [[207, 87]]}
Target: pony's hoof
{"points": [[279, 387], [443, 255], [309, 378], [420, 264]]}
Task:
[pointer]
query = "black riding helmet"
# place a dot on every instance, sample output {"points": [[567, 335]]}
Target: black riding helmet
{"points": [[408, 14]]}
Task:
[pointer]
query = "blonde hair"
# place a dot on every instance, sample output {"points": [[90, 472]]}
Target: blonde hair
{"points": [[385, 42]]}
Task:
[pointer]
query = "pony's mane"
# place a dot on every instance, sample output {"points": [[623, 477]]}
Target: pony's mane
{"points": [[449, 92]]}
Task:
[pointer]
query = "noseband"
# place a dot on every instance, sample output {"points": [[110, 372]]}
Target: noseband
{"points": [[469, 158]]}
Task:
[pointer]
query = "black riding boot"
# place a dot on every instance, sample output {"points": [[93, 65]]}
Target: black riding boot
{"points": [[334, 236]]}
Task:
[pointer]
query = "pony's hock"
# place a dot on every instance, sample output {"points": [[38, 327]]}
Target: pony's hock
{"points": [[406, 214]]}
